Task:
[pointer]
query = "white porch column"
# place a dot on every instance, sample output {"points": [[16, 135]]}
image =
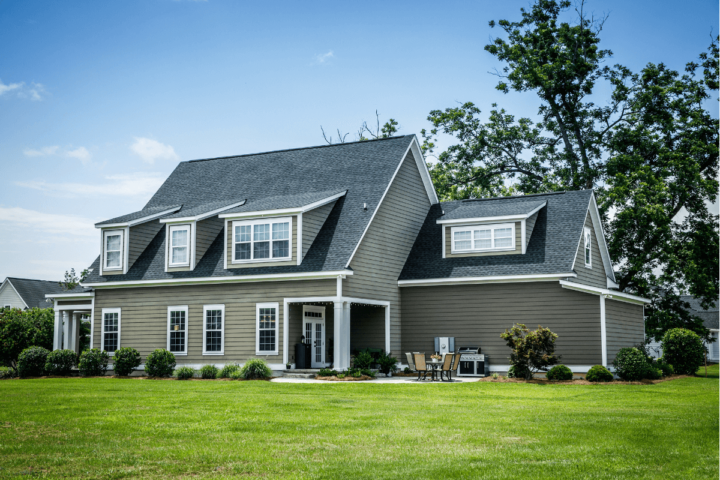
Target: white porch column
{"points": [[67, 318], [74, 331], [346, 331], [339, 344], [58, 331]]}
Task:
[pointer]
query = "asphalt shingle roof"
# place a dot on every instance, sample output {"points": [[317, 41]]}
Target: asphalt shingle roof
{"points": [[489, 208], [33, 291], [551, 249], [283, 201], [710, 317], [145, 212], [364, 169], [192, 211]]}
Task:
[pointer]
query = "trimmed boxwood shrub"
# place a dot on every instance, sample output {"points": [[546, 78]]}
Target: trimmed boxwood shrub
{"points": [[598, 373], [559, 372], [209, 372], [93, 362], [255, 368], [666, 368], [683, 349], [631, 364], [184, 373], [60, 362], [125, 361], [160, 363], [363, 360], [228, 370], [31, 362]]}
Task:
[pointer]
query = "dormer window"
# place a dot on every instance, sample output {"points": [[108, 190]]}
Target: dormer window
{"points": [[261, 240], [179, 245], [113, 243], [588, 248], [483, 238]]}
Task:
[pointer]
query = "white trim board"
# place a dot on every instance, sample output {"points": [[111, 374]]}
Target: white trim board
{"points": [[495, 279], [139, 220], [599, 236], [610, 294], [73, 296]]}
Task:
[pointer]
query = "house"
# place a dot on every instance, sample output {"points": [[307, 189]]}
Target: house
{"points": [[27, 293], [345, 247], [710, 318]]}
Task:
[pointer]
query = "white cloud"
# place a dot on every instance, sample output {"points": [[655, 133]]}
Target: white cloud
{"points": [[324, 57], [47, 222], [9, 87], [81, 153], [127, 185], [150, 150], [43, 152], [35, 91]]}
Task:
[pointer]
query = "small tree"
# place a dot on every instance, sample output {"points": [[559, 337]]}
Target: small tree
{"points": [[71, 279], [20, 329], [683, 349], [532, 351]]}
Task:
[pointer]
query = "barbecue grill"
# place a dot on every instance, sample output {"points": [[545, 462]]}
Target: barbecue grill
{"points": [[472, 362]]}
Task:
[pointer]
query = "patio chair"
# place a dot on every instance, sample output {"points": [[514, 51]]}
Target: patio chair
{"points": [[447, 366], [420, 365], [411, 362]]}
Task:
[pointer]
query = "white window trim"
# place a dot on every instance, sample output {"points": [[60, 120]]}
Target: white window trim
{"points": [[493, 227], [178, 308], [106, 233], [189, 229], [260, 221], [258, 306], [587, 238], [102, 328], [222, 329], [7, 306]]}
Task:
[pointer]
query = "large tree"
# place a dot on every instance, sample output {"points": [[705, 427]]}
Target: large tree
{"points": [[649, 150]]}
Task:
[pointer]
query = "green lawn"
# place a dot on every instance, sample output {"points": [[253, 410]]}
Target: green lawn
{"points": [[712, 371], [109, 428]]}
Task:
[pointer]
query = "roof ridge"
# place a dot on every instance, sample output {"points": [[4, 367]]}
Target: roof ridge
{"points": [[296, 149], [31, 279]]}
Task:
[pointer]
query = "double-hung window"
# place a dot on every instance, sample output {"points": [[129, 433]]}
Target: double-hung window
{"points": [[213, 329], [177, 329], [262, 240], [266, 331], [179, 246], [113, 246], [110, 329], [588, 247], [483, 238]]}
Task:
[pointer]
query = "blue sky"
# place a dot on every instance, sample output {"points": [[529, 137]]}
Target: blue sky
{"points": [[100, 100]]}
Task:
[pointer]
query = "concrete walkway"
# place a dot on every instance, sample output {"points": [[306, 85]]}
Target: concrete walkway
{"points": [[386, 380]]}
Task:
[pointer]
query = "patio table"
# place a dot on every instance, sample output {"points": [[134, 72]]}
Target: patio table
{"points": [[434, 364]]}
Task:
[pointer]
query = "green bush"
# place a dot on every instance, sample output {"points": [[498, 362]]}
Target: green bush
{"points": [[60, 362], [255, 368], [228, 370], [363, 360], [666, 368], [7, 372], [236, 374], [357, 374], [530, 351], [407, 370], [559, 372], [21, 329], [160, 363], [326, 372], [93, 362], [341, 375], [653, 373], [368, 372], [125, 361], [387, 363], [683, 349], [31, 362], [631, 364], [209, 372], [519, 371], [598, 373], [184, 373]]}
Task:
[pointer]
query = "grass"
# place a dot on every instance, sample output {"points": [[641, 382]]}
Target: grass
{"points": [[713, 371], [113, 428]]}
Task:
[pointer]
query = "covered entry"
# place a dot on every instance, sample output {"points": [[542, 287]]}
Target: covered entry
{"points": [[70, 310]]}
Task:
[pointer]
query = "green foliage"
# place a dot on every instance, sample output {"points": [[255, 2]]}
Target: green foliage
{"points": [[387, 363], [531, 351], [632, 364], [326, 372], [559, 372], [367, 372], [7, 372], [71, 279], [84, 340], [228, 370], [209, 372], [236, 375], [363, 360], [683, 349], [357, 374], [598, 373], [94, 362], [184, 373], [341, 375], [60, 362], [365, 132], [125, 361], [160, 363], [255, 368], [20, 329], [665, 367], [407, 370], [31, 362]]}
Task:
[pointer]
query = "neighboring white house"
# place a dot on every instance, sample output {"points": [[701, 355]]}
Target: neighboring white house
{"points": [[710, 319], [26, 293]]}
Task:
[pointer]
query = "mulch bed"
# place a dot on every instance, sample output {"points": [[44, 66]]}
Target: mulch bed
{"points": [[346, 379], [542, 381]]}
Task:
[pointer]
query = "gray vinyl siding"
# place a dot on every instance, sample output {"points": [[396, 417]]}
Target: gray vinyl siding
{"points": [[529, 226], [595, 276], [293, 247], [476, 315], [448, 244], [9, 297], [144, 315], [312, 222], [295, 329], [367, 328], [382, 254], [207, 232], [140, 237], [624, 326]]}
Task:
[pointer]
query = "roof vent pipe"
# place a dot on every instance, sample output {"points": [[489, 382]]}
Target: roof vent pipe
{"points": [[364, 206]]}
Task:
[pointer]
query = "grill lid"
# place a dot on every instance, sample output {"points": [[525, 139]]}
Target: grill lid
{"points": [[469, 350]]}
